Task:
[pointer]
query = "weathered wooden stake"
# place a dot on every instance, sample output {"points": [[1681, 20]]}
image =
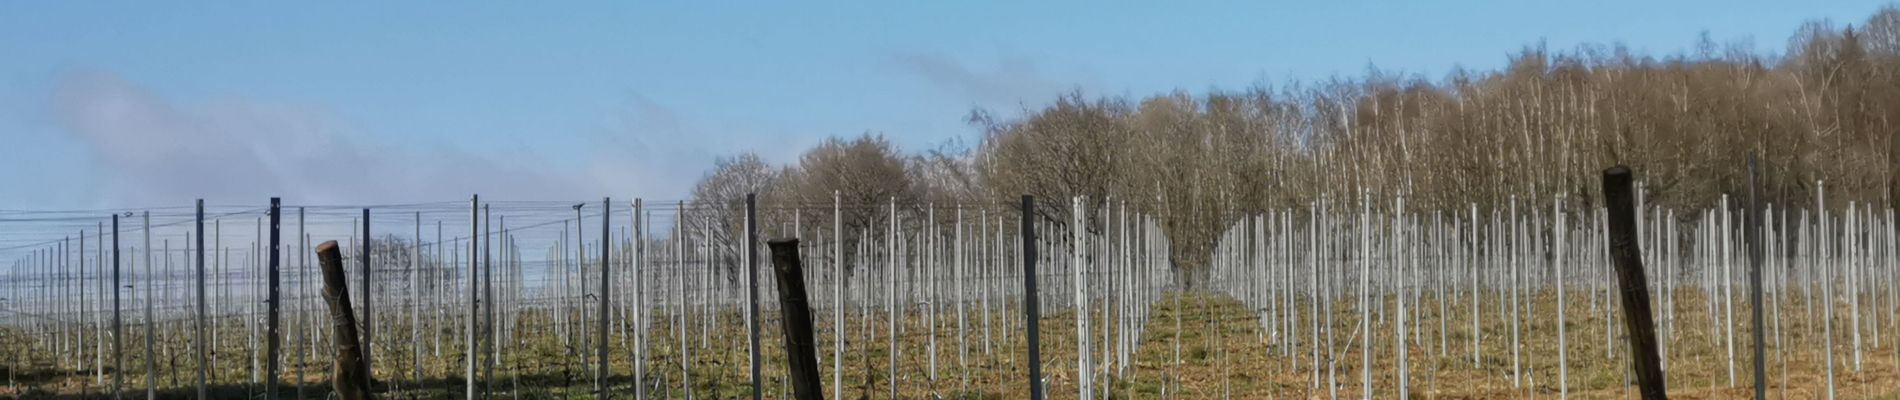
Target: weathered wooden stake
{"points": [[352, 371], [795, 314], [1626, 254]]}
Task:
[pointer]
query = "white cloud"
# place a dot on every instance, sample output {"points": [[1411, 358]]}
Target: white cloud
{"points": [[647, 149], [1013, 81], [153, 150]]}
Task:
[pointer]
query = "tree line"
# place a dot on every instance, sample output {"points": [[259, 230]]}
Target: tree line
{"points": [[1540, 127]]}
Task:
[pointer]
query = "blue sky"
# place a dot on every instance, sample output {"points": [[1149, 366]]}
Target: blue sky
{"points": [[153, 103]]}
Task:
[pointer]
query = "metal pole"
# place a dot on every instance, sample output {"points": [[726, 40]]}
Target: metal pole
{"points": [[415, 304], [1365, 298], [837, 298], [606, 218], [752, 287], [488, 297], [118, 338], [890, 293], [1034, 317], [680, 297], [369, 309], [437, 274], [639, 302], [151, 364], [270, 354], [91, 312], [474, 232], [219, 310], [580, 269], [203, 353], [1824, 253], [251, 322], [1563, 351], [303, 288], [1754, 270]]}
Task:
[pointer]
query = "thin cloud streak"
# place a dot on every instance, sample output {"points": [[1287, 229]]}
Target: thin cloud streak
{"points": [[153, 150], [1012, 82]]}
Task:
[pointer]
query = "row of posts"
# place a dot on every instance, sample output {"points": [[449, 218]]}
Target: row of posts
{"points": [[791, 291], [1624, 252]]}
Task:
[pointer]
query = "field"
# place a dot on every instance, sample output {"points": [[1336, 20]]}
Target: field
{"points": [[1222, 354]]}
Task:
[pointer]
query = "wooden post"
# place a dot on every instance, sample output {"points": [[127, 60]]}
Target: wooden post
{"points": [[795, 319], [1626, 254], [1034, 317], [350, 381]]}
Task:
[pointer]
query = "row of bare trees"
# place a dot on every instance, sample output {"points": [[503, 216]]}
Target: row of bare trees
{"points": [[1826, 110]]}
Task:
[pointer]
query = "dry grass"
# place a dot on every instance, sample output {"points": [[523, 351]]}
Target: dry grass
{"points": [[1223, 355], [1697, 355]]}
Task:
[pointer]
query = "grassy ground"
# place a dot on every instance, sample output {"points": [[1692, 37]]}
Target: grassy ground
{"points": [[1223, 354], [1214, 347]]}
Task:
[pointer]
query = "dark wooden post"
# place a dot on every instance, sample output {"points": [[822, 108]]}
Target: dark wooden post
{"points": [[351, 372], [1034, 314], [795, 319], [1626, 253], [1753, 233]]}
